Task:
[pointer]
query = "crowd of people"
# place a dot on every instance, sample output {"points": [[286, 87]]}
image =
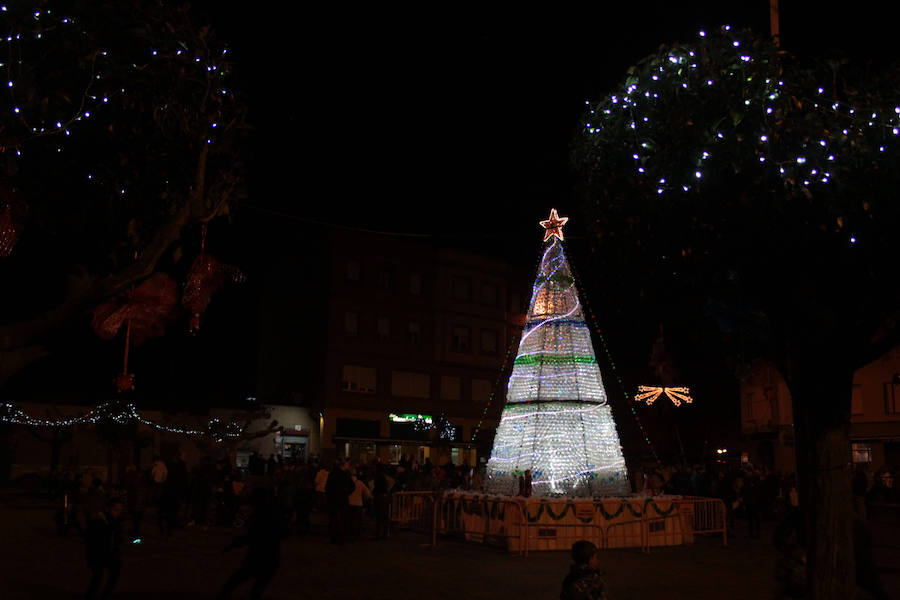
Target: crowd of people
{"points": [[276, 498], [272, 497]]}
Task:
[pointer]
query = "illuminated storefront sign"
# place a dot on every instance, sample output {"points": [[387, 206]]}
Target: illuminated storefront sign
{"points": [[408, 418]]}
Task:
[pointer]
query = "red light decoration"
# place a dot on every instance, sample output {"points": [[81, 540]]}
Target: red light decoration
{"points": [[553, 226]]}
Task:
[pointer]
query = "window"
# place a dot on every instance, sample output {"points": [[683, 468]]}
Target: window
{"points": [[384, 278], [856, 400], [481, 391], [489, 294], [351, 323], [410, 385], [415, 283], [461, 288], [395, 453], [353, 270], [890, 398], [415, 333], [747, 407], [460, 339], [358, 379], [383, 329], [450, 388], [862, 453], [488, 341]]}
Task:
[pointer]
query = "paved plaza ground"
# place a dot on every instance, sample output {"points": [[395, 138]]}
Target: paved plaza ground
{"points": [[36, 563]]}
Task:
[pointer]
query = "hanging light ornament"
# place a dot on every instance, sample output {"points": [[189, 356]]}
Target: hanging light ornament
{"points": [[145, 310], [206, 277], [12, 220]]}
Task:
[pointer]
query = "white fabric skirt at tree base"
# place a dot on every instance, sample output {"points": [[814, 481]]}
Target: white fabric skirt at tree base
{"points": [[571, 448]]}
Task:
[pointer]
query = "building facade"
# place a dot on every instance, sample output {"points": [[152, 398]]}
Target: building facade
{"points": [[767, 415], [416, 338]]}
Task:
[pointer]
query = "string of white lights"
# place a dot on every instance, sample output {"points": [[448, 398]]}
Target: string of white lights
{"points": [[646, 98], [122, 414]]}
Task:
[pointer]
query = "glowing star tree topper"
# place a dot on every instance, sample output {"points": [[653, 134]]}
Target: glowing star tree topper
{"points": [[556, 422], [553, 226]]}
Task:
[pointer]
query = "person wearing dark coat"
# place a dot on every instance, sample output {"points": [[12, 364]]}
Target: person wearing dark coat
{"points": [[305, 499], [103, 542], [265, 531], [177, 483], [381, 495], [338, 488], [751, 499]]}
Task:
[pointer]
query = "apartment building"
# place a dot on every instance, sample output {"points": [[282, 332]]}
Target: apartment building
{"points": [[415, 337], [767, 415]]}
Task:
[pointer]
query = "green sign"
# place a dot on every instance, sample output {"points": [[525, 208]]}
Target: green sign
{"points": [[407, 418]]}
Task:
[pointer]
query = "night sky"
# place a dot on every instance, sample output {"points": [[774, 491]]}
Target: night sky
{"points": [[450, 122], [458, 121]]}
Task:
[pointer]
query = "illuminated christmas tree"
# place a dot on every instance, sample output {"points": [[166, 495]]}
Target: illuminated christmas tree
{"points": [[556, 422]]}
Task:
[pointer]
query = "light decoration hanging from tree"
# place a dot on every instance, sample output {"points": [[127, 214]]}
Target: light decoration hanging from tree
{"points": [[556, 421], [802, 130], [207, 276], [12, 220], [121, 413], [649, 394]]}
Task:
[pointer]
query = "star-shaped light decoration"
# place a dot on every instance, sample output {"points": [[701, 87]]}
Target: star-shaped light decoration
{"points": [[677, 395], [553, 225]]}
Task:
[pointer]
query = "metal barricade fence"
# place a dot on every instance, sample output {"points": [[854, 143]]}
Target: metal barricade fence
{"points": [[480, 519], [415, 511], [705, 515], [483, 519]]}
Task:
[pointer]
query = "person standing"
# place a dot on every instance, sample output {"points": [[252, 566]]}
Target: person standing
{"points": [[381, 493], [751, 500], [159, 473], [860, 487], [525, 484], [178, 485], [94, 499], [305, 498], [357, 497], [263, 541], [103, 543], [321, 480], [337, 494], [135, 497]]}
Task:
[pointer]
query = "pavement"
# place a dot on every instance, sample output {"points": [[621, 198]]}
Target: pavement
{"points": [[37, 563]]}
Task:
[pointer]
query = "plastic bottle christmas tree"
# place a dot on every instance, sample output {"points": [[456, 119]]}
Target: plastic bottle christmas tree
{"points": [[556, 421]]}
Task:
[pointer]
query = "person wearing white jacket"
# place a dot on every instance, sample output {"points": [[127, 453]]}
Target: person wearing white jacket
{"points": [[357, 496]]}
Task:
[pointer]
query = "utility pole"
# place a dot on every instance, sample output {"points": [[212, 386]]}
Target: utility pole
{"points": [[773, 22]]}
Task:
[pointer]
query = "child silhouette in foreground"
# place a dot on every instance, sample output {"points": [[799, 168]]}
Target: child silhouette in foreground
{"points": [[583, 581]]}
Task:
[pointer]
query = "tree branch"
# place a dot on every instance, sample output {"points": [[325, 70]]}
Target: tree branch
{"points": [[17, 335]]}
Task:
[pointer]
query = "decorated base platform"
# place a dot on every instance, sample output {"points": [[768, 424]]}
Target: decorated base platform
{"points": [[523, 524]]}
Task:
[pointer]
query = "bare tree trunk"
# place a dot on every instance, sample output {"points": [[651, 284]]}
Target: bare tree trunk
{"points": [[821, 390]]}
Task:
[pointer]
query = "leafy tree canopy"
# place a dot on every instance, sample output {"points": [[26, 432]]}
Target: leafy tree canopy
{"points": [[767, 179], [123, 127]]}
